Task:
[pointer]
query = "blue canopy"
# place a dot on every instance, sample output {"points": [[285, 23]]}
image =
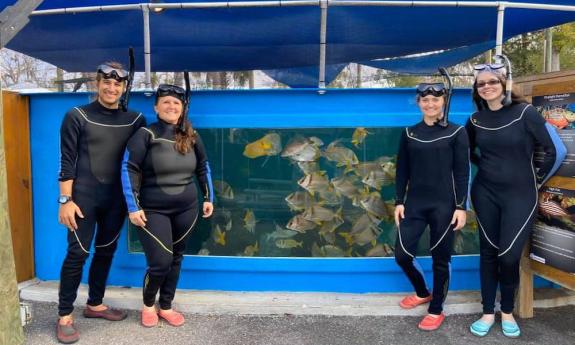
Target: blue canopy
{"points": [[271, 38]]}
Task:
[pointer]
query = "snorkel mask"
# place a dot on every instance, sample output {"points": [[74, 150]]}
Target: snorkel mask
{"points": [[179, 93], [438, 90], [502, 68], [121, 75]]}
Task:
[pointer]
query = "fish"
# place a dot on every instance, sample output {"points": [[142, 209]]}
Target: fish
{"points": [[281, 233], [374, 205], [458, 243], [329, 237], [316, 141], [301, 150], [329, 197], [223, 190], [250, 221], [268, 145], [342, 155], [359, 136], [389, 169], [552, 208], [319, 214], [382, 249], [308, 167], [555, 116], [377, 179], [368, 235], [315, 182], [251, 250], [223, 217], [471, 224], [331, 226], [298, 201], [350, 187], [333, 251], [299, 224], [288, 243], [329, 251], [347, 237], [219, 236], [366, 221], [204, 251]]}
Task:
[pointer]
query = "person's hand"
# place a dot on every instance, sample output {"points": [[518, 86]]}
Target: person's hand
{"points": [[208, 209], [459, 218], [138, 218], [67, 215], [399, 214]]}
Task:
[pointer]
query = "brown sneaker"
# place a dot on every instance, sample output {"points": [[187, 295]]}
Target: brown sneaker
{"points": [[108, 314], [67, 333]]}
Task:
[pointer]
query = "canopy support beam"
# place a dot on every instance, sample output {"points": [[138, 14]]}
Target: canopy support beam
{"points": [[147, 53], [322, 43], [499, 33]]}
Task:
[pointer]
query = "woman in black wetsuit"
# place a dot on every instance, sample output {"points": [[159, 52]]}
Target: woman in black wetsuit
{"points": [[158, 179], [505, 129], [431, 189]]}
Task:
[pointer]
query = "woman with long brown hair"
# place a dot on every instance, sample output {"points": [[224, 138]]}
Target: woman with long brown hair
{"points": [[158, 180], [506, 131]]}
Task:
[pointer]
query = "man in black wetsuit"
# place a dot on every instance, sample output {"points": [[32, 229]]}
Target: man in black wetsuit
{"points": [[92, 141]]}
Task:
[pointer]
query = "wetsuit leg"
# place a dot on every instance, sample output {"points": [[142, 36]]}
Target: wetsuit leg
{"points": [[111, 218], [441, 246], [410, 230], [182, 225], [156, 240], [489, 220], [518, 215], [79, 243]]}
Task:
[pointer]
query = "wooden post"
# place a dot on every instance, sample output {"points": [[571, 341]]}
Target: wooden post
{"points": [[10, 324], [12, 20], [525, 293]]}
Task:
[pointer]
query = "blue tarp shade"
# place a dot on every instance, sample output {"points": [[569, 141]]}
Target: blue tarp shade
{"points": [[428, 64], [267, 38]]}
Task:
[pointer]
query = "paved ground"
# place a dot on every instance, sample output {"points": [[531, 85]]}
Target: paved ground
{"points": [[555, 326]]}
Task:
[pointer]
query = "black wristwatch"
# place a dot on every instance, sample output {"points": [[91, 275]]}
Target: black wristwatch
{"points": [[62, 199]]}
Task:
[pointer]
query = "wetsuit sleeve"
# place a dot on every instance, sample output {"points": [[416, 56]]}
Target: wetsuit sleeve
{"points": [[203, 171], [473, 156], [69, 137], [131, 168], [402, 170], [546, 136], [461, 170]]}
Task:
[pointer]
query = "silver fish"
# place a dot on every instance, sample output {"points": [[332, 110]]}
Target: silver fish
{"points": [[280, 233], [301, 150], [223, 190], [377, 179], [374, 205], [319, 214], [298, 201], [342, 155], [315, 182], [299, 224]]}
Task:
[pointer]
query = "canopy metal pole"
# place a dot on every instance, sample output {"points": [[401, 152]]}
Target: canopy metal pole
{"points": [[499, 34], [322, 43], [147, 53]]}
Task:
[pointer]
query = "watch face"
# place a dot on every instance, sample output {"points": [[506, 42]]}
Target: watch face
{"points": [[63, 199]]}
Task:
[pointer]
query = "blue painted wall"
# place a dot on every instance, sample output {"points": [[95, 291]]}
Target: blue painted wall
{"points": [[241, 109]]}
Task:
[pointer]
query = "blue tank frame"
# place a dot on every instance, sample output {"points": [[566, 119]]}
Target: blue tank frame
{"points": [[284, 108]]}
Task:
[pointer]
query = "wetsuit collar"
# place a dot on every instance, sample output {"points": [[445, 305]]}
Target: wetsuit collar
{"points": [[101, 109]]}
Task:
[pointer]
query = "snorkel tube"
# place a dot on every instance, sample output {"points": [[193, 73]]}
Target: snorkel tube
{"points": [[509, 79], [186, 102], [447, 77], [126, 96]]}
